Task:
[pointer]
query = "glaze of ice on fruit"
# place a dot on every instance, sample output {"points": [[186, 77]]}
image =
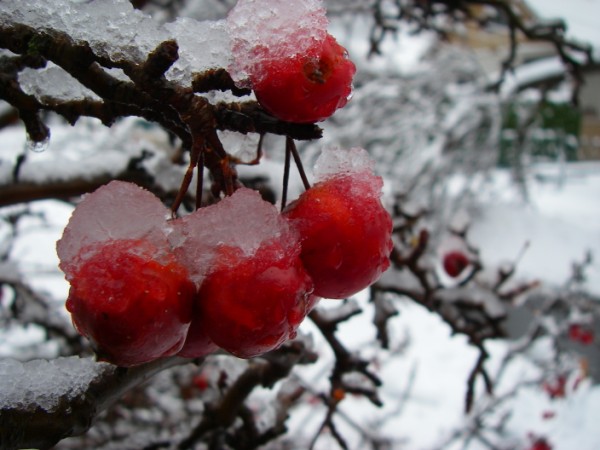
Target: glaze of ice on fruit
{"points": [[261, 30], [337, 161], [115, 211], [243, 220]]}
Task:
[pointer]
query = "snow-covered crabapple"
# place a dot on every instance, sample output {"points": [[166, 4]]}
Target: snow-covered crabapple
{"points": [[455, 262], [307, 87], [251, 304], [134, 306], [345, 233]]}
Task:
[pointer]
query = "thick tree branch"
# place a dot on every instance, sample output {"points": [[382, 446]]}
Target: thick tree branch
{"points": [[25, 424]]}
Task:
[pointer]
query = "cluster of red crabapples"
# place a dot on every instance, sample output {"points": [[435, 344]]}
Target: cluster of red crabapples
{"points": [[237, 275]]}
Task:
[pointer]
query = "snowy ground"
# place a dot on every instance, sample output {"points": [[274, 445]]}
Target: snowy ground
{"points": [[561, 222]]}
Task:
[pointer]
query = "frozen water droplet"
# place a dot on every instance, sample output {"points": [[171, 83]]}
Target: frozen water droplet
{"points": [[37, 146]]}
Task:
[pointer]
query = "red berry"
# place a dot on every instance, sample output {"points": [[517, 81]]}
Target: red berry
{"points": [[455, 262], [587, 337], [574, 332], [249, 305], [133, 304], [305, 88], [345, 233], [200, 381], [540, 444], [577, 333], [557, 388], [547, 415]]}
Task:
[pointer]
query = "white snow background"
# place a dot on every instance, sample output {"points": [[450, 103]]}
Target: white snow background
{"points": [[424, 382]]}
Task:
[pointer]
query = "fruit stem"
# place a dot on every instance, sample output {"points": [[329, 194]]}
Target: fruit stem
{"points": [[196, 154], [200, 179], [286, 171], [292, 146]]}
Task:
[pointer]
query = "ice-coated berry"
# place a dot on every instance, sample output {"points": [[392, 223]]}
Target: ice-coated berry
{"points": [[345, 233], [455, 262], [307, 87], [249, 305], [134, 306]]}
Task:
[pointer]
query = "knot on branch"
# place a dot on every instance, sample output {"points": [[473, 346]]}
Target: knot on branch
{"points": [[217, 80], [161, 59]]}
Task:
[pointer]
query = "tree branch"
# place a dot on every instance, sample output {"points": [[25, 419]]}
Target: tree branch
{"points": [[26, 424]]}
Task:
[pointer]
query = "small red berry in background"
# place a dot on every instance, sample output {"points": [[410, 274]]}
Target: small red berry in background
{"points": [[548, 415], [540, 443], [134, 306], [249, 305], [305, 88], [556, 388], [581, 334], [345, 233], [455, 262], [200, 382]]}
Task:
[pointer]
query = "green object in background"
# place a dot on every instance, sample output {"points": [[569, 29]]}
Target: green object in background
{"points": [[552, 136]]}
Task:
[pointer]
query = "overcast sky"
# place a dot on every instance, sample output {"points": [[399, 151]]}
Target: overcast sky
{"points": [[582, 16]]}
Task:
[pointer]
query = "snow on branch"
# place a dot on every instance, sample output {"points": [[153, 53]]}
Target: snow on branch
{"points": [[43, 401]]}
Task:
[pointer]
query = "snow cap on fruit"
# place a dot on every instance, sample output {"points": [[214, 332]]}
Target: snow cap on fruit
{"points": [[264, 30], [116, 211], [243, 221]]}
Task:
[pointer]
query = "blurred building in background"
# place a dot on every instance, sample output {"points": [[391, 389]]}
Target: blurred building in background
{"points": [[537, 65]]}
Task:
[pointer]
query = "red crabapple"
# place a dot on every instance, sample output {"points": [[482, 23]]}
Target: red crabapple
{"points": [[578, 333], [249, 305], [345, 233], [133, 305], [455, 262], [305, 88], [540, 444], [556, 388]]}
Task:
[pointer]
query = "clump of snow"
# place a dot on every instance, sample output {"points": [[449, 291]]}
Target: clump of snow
{"points": [[54, 82], [202, 45], [115, 211], [335, 161], [243, 220], [113, 28], [241, 147], [355, 162], [44, 384], [116, 30], [263, 30]]}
